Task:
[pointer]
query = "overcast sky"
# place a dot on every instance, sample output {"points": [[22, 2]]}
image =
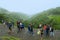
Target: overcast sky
{"points": [[29, 7]]}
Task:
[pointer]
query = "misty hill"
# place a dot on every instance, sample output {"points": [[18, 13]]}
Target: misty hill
{"points": [[51, 16], [12, 16]]}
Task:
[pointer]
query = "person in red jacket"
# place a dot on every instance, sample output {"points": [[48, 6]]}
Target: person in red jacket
{"points": [[44, 28]]}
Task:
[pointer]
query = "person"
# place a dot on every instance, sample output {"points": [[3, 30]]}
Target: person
{"points": [[21, 25], [47, 31], [51, 31], [30, 29], [41, 34], [44, 28], [10, 27], [18, 26], [40, 26], [39, 29]]}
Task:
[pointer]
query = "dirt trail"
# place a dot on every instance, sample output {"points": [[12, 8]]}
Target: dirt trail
{"points": [[24, 35]]}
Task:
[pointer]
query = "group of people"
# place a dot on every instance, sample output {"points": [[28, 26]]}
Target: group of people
{"points": [[43, 30], [46, 30], [10, 26]]}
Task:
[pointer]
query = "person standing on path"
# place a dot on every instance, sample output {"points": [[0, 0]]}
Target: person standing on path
{"points": [[21, 26], [30, 28], [9, 25], [40, 29], [18, 26], [51, 32], [41, 34], [44, 28], [47, 31]]}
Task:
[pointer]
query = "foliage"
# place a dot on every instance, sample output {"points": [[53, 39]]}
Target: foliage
{"points": [[51, 16], [9, 38], [11, 16]]}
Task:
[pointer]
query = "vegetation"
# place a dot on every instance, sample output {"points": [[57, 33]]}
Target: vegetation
{"points": [[11, 16], [9, 38], [51, 16]]}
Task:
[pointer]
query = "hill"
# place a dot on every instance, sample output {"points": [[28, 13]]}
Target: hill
{"points": [[51, 16], [11, 16]]}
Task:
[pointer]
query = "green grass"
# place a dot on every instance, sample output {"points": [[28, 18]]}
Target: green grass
{"points": [[9, 38]]}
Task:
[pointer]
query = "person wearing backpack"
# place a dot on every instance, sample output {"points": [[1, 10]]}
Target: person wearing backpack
{"points": [[21, 26], [41, 34], [10, 27], [18, 26], [39, 29], [51, 31], [47, 31], [30, 29], [44, 29]]}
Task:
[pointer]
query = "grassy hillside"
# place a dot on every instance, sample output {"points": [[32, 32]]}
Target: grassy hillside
{"points": [[51, 16], [12, 16]]}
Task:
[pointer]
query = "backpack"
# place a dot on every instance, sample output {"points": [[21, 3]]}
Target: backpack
{"points": [[38, 32]]}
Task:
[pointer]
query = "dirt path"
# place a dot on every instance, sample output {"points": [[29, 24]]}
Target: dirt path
{"points": [[24, 35]]}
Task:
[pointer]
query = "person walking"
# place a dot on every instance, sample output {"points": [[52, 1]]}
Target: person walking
{"points": [[47, 31], [44, 28], [9, 25], [51, 32], [30, 29], [18, 26]]}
